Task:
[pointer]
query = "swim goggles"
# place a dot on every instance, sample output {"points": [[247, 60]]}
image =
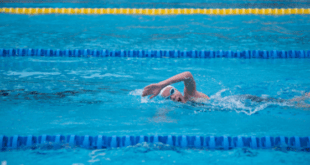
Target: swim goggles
{"points": [[172, 90]]}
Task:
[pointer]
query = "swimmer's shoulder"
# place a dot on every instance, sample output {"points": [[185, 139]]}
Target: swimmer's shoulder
{"points": [[200, 97], [203, 96]]}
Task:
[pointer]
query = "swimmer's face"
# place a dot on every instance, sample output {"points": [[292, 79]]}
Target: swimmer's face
{"points": [[174, 94], [177, 96]]}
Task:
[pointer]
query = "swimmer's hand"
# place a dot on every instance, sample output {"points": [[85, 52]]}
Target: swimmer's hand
{"points": [[153, 89]]}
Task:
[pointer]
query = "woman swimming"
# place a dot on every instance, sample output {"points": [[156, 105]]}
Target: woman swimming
{"points": [[191, 95], [169, 92]]}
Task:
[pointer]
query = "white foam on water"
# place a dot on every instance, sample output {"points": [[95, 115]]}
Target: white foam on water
{"points": [[137, 92], [239, 104], [27, 74], [98, 75], [146, 99], [82, 71]]}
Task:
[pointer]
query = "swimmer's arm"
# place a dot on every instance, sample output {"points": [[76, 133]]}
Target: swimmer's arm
{"points": [[186, 77]]}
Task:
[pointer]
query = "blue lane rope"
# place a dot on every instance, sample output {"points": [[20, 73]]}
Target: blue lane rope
{"points": [[157, 53], [98, 142]]}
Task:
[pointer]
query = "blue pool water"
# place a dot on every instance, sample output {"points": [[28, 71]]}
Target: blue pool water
{"points": [[92, 96], [160, 3], [183, 32]]}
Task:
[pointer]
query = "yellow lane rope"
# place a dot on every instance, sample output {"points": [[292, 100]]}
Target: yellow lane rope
{"points": [[141, 11]]}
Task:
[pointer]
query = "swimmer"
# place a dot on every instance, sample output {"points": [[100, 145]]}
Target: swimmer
{"points": [[167, 91]]}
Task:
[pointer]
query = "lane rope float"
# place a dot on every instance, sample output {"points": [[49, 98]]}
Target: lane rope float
{"points": [[272, 54], [98, 142], [158, 11]]}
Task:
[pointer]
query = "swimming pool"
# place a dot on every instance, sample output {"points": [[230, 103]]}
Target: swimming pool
{"points": [[102, 96]]}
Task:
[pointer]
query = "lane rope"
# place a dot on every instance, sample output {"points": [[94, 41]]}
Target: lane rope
{"points": [[98, 142], [272, 54], [163, 11]]}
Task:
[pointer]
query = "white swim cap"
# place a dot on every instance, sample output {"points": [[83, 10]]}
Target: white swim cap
{"points": [[161, 92]]}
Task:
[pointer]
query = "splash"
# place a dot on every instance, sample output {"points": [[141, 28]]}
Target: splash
{"points": [[239, 104], [138, 92]]}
